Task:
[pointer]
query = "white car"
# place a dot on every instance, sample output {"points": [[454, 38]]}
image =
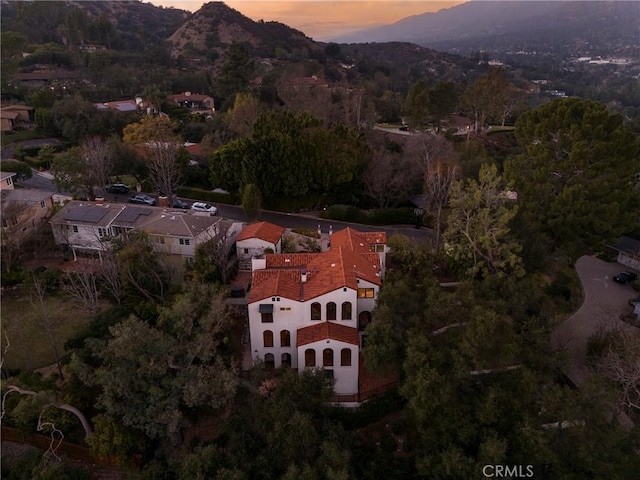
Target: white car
{"points": [[204, 207]]}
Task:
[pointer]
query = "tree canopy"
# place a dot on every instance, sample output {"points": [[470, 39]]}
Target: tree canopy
{"points": [[575, 178]]}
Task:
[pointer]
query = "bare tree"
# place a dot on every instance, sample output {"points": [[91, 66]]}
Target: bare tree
{"points": [[37, 294], [620, 363], [216, 252], [83, 288], [110, 276], [14, 235], [164, 165], [98, 159]]}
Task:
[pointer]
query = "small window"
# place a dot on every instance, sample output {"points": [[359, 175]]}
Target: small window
{"points": [[366, 293], [331, 311], [285, 338], [42, 204], [269, 360], [316, 311], [346, 311], [75, 229], [327, 357], [185, 241], [328, 374], [309, 357], [345, 357], [267, 338], [246, 250], [267, 317]]}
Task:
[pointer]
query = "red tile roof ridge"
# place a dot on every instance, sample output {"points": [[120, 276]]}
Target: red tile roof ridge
{"points": [[262, 230], [327, 330]]}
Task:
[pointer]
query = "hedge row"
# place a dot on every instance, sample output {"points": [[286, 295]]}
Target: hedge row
{"points": [[382, 216], [22, 169], [205, 195], [35, 162]]}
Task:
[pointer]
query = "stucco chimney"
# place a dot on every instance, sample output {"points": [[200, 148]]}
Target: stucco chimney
{"points": [[303, 276], [163, 201]]}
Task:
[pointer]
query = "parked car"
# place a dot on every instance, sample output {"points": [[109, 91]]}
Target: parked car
{"points": [[142, 198], [625, 277], [118, 188], [634, 301], [404, 128], [180, 204], [204, 207]]}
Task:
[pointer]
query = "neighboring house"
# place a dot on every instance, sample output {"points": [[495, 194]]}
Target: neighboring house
{"points": [[254, 239], [628, 252], [194, 102], [120, 106], [309, 310], [87, 227], [24, 210], [40, 78], [15, 116], [6, 180], [8, 120]]}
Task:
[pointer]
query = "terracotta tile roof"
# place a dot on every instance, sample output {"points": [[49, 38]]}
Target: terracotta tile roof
{"points": [[286, 260], [327, 330], [264, 231], [357, 241], [275, 283]]}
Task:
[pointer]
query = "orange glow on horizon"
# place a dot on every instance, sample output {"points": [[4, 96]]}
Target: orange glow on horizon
{"points": [[324, 19]]}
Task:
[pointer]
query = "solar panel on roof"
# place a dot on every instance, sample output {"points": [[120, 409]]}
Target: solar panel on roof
{"points": [[131, 214], [88, 214], [126, 107]]}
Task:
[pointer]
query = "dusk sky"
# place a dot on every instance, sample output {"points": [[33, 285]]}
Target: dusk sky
{"points": [[324, 19]]}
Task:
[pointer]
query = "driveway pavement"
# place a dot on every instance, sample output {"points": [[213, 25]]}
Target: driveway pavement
{"points": [[604, 301]]}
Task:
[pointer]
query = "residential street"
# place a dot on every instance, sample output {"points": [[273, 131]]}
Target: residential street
{"points": [[604, 301], [43, 181]]}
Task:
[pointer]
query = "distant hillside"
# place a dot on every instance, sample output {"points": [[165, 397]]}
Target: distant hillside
{"points": [[216, 26], [586, 27]]}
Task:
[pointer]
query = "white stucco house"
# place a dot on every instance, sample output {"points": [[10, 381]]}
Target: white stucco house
{"points": [[254, 239], [309, 310], [88, 227], [628, 249]]}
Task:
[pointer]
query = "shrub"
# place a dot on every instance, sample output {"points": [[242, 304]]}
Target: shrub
{"points": [[205, 195], [382, 216], [22, 170]]}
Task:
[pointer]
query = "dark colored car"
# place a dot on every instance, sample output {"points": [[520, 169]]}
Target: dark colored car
{"points": [[118, 188], [142, 198], [180, 204], [625, 277], [404, 128]]}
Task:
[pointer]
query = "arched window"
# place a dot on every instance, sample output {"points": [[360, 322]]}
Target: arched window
{"points": [[345, 357], [346, 311], [316, 311], [269, 360], [285, 338], [327, 357], [286, 360], [267, 338], [331, 311], [310, 357], [364, 319]]}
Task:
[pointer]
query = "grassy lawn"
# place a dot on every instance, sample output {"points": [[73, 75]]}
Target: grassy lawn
{"points": [[9, 138], [30, 346]]}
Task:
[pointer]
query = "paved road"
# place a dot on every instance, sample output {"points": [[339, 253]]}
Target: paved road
{"points": [[42, 181], [7, 152], [604, 301]]}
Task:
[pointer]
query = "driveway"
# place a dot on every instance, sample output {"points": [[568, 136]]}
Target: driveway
{"points": [[604, 301]]}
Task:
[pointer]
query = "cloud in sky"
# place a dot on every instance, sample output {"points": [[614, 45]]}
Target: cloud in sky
{"points": [[324, 19]]}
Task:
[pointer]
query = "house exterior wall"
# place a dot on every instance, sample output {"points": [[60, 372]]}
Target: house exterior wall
{"points": [[286, 316], [291, 315], [367, 304], [7, 183], [629, 260], [246, 249], [346, 378]]}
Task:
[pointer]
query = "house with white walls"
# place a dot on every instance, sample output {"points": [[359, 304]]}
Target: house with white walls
{"points": [[89, 227], [255, 239], [310, 310]]}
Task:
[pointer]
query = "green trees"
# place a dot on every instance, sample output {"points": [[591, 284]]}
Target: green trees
{"points": [[575, 181], [478, 233], [289, 155], [150, 376], [251, 201], [417, 105]]}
